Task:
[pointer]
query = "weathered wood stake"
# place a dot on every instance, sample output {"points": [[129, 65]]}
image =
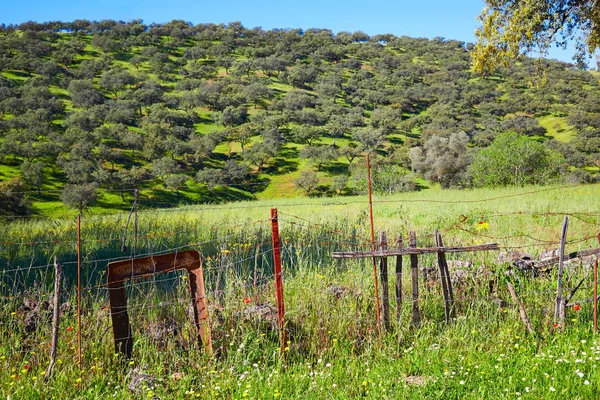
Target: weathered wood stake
{"points": [[559, 310], [414, 267], [385, 290], [399, 283], [522, 311], [444, 278], [58, 274]]}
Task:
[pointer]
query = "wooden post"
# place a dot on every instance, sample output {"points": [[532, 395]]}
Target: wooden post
{"points": [[385, 291], [278, 278], [399, 282], [58, 274], [596, 296], [414, 266], [444, 278], [559, 311], [79, 361], [522, 311], [370, 194]]}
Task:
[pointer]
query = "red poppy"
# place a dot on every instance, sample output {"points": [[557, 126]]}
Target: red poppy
{"points": [[247, 300], [26, 367], [70, 329], [555, 325], [576, 307]]}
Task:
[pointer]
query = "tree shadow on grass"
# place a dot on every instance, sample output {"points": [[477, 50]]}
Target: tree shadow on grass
{"points": [[336, 168], [281, 166]]}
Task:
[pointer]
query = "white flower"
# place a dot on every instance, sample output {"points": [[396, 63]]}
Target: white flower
{"points": [[552, 389], [586, 382], [462, 382], [580, 374]]}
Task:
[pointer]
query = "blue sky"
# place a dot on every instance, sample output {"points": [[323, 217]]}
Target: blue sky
{"points": [[422, 18]]}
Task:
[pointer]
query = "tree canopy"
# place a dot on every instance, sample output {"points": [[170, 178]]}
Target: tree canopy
{"points": [[511, 27]]}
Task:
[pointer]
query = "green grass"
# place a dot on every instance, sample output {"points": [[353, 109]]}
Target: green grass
{"points": [[333, 349], [557, 128]]}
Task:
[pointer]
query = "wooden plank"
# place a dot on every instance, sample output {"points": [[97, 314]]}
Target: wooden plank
{"points": [[399, 282], [414, 251], [414, 266], [385, 290]]}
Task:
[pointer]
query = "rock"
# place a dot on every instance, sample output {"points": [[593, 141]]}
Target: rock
{"points": [[513, 256], [455, 264], [261, 313], [31, 321], [161, 332], [336, 291], [177, 376], [415, 380], [500, 302], [139, 380], [547, 255]]}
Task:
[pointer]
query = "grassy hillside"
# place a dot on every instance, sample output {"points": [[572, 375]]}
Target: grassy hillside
{"points": [[241, 114]]}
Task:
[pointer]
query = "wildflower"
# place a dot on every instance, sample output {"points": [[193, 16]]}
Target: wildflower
{"points": [[247, 300], [576, 307], [462, 382], [556, 325], [70, 329], [586, 382], [26, 367], [552, 389], [482, 225]]}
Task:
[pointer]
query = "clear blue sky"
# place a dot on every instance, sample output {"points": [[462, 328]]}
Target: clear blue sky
{"points": [[421, 18]]}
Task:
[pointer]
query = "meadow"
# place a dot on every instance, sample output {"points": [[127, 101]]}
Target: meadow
{"points": [[333, 348]]}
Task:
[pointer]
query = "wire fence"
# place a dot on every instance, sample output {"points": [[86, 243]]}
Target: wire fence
{"points": [[237, 259]]}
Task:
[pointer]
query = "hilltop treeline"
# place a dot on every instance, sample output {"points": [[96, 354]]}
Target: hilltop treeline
{"points": [[212, 111]]}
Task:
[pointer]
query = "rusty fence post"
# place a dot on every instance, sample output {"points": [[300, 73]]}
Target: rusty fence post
{"points": [[370, 194], [445, 279], [79, 360], [278, 278], [596, 296], [120, 271]]}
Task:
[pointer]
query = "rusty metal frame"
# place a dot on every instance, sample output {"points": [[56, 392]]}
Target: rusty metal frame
{"points": [[120, 271]]}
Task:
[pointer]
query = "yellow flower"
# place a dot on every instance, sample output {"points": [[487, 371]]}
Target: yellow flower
{"points": [[481, 226], [78, 380]]}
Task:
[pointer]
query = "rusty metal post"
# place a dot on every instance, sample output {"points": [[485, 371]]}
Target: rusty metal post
{"points": [[596, 296], [278, 278], [120, 271], [377, 311], [79, 291]]}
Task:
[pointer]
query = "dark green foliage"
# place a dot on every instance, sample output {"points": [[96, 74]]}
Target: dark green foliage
{"points": [[143, 94], [79, 196], [307, 181], [514, 159], [13, 198]]}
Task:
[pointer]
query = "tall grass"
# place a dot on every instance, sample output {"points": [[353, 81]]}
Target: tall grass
{"points": [[334, 349]]}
